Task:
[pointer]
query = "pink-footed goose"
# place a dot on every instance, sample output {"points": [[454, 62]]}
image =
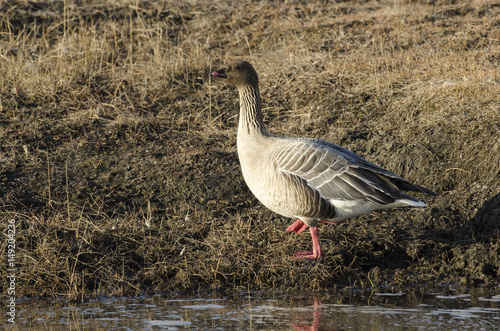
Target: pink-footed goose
{"points": [[304, 178]]}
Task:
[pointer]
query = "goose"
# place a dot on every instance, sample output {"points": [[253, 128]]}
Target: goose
{"points": [[307, 179]]}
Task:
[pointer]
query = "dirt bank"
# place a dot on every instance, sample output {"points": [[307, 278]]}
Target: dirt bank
{"points": [[118, 159]]}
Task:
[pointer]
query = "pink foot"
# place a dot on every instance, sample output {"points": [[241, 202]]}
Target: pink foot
{"points": [[334, 223], [308, 255], [298, 226], [316, 253]]}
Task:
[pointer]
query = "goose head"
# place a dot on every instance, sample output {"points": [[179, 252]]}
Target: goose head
{"points": [[239, 73]]}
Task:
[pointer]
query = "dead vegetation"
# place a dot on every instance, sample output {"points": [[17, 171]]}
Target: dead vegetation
{"points": [[118, 157]]}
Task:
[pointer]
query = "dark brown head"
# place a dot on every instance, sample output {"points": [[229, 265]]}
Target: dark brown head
{"points": [[239, 73]]}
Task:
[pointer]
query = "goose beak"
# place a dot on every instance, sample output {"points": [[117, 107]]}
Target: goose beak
{"points": [[221, 73]]}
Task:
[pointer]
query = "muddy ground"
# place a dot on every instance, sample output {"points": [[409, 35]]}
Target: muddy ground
{"points": [[118, 160]]}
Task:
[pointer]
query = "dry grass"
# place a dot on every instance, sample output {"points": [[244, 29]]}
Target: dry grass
{"points": [[118, 151]]}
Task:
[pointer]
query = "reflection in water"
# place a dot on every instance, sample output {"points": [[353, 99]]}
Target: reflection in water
{"points": [[424, 310], [316, 322]]}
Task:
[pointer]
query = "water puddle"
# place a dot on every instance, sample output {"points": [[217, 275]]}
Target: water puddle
{"points": [[424, 310]]}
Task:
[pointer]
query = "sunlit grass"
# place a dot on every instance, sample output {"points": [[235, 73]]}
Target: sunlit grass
{"points": [[118, 156]]}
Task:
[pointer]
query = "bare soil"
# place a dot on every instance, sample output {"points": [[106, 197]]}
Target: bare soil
{"points": [[118, 160]]}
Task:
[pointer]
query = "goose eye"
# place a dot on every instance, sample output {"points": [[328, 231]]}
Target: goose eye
{"points": [[236, 67]]}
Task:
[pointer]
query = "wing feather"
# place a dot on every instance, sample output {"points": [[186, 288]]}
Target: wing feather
{"points": [[339, 174]]}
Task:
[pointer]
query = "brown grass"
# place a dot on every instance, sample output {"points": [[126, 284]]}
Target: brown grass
{"points": [[118, 158]]}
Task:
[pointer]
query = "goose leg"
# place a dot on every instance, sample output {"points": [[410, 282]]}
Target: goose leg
{"points": [[298, 226], [316, 253]]}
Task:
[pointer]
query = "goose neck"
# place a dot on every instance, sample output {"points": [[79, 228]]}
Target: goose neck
{"points": [[250, 112]]}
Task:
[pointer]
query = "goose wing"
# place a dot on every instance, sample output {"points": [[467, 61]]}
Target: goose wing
{"points": [[339, 174]]}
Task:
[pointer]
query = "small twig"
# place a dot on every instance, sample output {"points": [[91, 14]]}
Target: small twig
{"points": [[458, 169]]}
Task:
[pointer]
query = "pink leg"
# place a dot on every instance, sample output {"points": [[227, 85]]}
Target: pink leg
{"points": [[316, 253], [334, 223], [298, 226]]}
